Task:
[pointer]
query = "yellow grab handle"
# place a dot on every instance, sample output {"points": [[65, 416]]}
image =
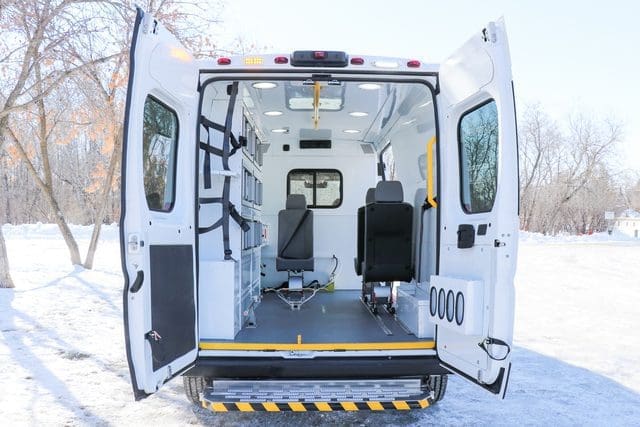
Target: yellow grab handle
{"points": [[316, 104], [430, 196]]}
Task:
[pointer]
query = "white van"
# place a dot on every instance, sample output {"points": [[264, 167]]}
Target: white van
{"points": [[318, 230]]}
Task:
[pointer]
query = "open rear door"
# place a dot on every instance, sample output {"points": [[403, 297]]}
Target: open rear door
{"points": [[157, 230], [472, 297]]}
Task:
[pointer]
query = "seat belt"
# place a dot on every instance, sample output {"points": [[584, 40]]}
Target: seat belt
{"points": [[228, 209], [295, 231]]}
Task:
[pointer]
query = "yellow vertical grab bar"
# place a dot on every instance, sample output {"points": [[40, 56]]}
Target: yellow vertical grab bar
{"points": [[430, 197]]}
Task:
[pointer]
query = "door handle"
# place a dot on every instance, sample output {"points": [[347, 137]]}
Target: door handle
{"points": [[466, 236], [137, 284]]}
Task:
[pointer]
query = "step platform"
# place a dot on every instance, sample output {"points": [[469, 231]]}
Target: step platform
{"points": [[318, 395]]}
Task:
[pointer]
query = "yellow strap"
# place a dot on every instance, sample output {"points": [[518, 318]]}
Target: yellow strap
{"points": [[430, 196]]}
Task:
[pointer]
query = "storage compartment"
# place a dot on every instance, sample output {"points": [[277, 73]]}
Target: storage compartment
{"points": [[217, 288], [413, 310]]}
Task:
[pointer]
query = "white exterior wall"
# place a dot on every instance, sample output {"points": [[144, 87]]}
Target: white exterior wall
{"points": [[628, 225]]}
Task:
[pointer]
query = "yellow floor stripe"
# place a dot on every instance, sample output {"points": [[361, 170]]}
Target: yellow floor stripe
{"points": [[349, 406], [271, 407], [400, 404], [323, 407], [218, 407], [404, 345], [244, 406], [375, 406]]}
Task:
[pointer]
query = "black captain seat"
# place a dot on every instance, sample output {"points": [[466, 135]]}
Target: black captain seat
{"points": [[369, 198], [295, 236], [388, 236]]}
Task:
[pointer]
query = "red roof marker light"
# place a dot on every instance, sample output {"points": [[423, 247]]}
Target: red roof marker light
{"points": [[357, 61], [224, 61], [414, 63], [281, 60]]}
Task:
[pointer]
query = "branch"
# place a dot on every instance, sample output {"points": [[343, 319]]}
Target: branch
{"points": [[53, 85]]}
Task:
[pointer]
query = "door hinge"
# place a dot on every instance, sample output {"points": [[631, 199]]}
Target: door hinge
{"points": [[497, 243]]}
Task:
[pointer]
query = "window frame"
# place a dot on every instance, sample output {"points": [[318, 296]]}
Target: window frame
{"points": [[315, 172], [175, 163], [468, 111]]}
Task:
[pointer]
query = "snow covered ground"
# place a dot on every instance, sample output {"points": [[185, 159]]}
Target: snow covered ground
{"points": [[576, 360]]}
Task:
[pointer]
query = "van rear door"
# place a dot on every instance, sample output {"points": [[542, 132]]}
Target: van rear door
{"points": [[472, 297], [158, 208]]}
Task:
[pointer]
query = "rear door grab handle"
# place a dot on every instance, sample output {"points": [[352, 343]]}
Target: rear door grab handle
{"points": [[137, 284]]}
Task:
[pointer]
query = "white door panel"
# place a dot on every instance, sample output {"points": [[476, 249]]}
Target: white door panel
{"points": [[478, 209], [157, 223]]}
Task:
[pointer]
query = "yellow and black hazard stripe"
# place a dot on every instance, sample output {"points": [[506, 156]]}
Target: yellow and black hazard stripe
{"points": [[401, 405]]}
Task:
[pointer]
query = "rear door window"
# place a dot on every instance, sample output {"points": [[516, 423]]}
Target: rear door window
{"points": [[478, 147], [159, 144]]}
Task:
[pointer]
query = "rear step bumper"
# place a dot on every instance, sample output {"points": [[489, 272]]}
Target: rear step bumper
{"points": [[324, 396], [318, 368]]}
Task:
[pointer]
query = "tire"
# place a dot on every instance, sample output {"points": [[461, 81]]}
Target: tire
{"points": [[438, 384], [193, 386]]}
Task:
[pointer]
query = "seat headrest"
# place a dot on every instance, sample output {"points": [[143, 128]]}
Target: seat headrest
{"points": [[371, 196], [389, 191], [296, 201]]}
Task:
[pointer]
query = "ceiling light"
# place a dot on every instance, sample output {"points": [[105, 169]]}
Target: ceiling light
{"points": [[274, 113], [369, 86], [408, 122], [280, 130], [264, 85], [351, 131], [358, 114], [424, 104]]}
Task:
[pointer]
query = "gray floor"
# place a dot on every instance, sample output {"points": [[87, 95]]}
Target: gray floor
{"points": [[329, 317]]}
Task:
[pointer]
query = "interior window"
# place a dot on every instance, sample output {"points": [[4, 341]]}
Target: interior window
{"points": [[322, 187], [478, 146], [159, 143]]}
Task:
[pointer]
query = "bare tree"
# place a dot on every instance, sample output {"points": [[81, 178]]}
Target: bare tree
{"points": [[565, 175], [35, 33]]}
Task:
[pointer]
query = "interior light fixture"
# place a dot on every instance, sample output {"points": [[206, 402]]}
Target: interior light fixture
{"points": [[351, 131], [274, 113], [264, 85], [369, 86], [358, 114], [408, 122], [280, 130]]}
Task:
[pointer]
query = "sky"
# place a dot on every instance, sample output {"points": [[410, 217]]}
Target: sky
{"points": [[569, 56]]}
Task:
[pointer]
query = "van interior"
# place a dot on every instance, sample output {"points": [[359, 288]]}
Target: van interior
{"points": [[314, 224]]}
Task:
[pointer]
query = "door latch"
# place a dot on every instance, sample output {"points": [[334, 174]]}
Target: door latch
{"points": [[497, 243], [134, 244]]}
